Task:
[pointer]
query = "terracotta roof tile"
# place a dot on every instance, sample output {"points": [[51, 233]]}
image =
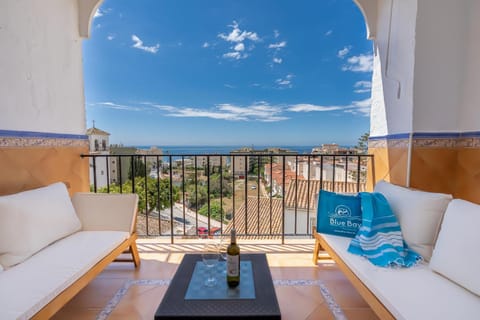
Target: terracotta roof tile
{"points": [[263, 228], [97, 131], [300, 189]]}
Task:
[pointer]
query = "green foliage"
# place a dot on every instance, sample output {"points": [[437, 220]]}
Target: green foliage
{"points": [[362, 144], [139, 168], [216, 183], [192, 195], [215, 211], [151, 199], [253, 165]]}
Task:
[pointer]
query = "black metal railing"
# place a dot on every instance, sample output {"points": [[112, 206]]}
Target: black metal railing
{"points": [[260, 195]]}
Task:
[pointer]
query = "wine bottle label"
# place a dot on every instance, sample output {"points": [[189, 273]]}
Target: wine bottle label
{"points": [[233, 266]]}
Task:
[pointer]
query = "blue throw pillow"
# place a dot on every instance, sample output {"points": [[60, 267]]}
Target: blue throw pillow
{"points": [[338, 214]]}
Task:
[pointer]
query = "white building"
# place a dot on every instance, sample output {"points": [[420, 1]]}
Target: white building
{"points": [[99, 145]]}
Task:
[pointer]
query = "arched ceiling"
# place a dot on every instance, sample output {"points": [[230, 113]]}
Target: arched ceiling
{"points": [[86, 11]]}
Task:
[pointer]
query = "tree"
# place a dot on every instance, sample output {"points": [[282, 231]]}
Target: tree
{"points": [[139, 167], [216, 212], [253, 165], [192, 196], [362, 144], [224, 185], [151, 199]]}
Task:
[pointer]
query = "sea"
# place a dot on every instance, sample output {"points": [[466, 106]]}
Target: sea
{"points": [[193, 150], [177, 151]]}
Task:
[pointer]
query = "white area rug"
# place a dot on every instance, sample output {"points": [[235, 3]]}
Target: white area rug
{"points": [[332, 305]]}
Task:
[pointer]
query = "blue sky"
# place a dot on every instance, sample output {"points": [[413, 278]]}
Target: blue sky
{"points": [[228, 72]]}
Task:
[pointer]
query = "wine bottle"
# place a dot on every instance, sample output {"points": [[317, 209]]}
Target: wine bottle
{"points": [[233, 261]]}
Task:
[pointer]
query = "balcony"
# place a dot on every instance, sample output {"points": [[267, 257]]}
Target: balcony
{"points": [[304, 291], [277, 223], [424, 134], [262, 196]]}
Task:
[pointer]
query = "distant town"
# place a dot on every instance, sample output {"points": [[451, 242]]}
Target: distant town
{"points": [[206, 194]]}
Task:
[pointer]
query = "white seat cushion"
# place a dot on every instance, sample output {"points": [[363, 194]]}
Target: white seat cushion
{"points": [[456, 254], [27, 287], [31, 220], [410, 293], [419, 214]]}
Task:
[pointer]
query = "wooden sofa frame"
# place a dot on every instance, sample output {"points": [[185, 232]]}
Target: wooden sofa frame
{"points": [[377, 306], [127, 246]]}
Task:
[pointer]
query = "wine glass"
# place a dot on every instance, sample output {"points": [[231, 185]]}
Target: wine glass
{"points": [[222, 243], [222, 246], [210, 257]]}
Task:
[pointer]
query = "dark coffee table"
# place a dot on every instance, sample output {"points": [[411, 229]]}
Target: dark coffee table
{"points": [[264, 306]]}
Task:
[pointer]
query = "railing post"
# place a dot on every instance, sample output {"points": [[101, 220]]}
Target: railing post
{"points": [[208, 194], [183, 194], [146, 191], [158, 199], [222, 216], [94, 174], [283, 200], [171, 199]]}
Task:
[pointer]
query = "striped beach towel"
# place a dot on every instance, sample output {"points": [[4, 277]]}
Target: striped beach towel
{"points": [[379, 238]]}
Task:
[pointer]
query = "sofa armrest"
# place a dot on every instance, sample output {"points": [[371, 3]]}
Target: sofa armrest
{"points": [[100, 211]]}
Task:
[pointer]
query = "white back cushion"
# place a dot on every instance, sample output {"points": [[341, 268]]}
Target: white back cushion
{"points": [[419, 214], [31, 220], [456, 254]]}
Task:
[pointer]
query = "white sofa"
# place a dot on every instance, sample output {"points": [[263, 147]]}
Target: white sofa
{"points": [[446, 285], [52, 246]]}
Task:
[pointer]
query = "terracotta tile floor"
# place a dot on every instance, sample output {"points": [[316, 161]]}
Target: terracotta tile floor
{"points": [[292, 261]]}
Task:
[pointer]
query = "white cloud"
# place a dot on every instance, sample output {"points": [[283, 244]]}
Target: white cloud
{"points": [[360, 63], [229, 86], [138, 44], [237, 38], [101, 12], [361, 107], [277, 45], [328, 33], [239, 47], [98, 14], [285, 82], [237, 35], [235, 55], [362, 86], [343, 52], [112, 105], [276, 34], [111, 36], [277, 60], [205, 45], [260, 111], [161, 107], [306, 107]]}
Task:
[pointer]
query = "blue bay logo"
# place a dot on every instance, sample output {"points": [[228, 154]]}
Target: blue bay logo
{"points": [[342, 211]]}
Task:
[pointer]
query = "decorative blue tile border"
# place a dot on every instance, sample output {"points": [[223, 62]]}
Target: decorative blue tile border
{"points": [[390, 137], [20, 139], [34, 134], [436, 135], [331, 303], [428, 140]]}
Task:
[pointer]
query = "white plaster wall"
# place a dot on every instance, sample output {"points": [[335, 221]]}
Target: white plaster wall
{"points": [[440, 55], [41, 82], [470, 108], [302, 218], [392, 82]]}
